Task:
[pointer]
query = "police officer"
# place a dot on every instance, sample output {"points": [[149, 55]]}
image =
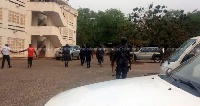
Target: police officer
{"points": [[82, 55], [100, 56], [88, 55], [112, 54], [122, 56], [66, 54]]}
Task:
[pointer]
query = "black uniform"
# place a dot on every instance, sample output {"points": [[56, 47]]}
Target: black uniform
{"points": [[100, 55], [88, 54], [82, 55], [66, 55], [122, 57]]}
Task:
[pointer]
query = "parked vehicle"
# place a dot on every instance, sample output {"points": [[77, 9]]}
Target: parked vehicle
{"points": [[74, 52], [180, 87], [148, 53], [187, 50]]}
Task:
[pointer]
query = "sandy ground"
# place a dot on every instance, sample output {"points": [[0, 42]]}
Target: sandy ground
{"points": [[21, 86]]}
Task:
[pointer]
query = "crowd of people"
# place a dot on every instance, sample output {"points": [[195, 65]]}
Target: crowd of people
{"points": [[119, 55]]}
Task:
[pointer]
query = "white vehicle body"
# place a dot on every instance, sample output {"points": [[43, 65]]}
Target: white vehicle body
{"points": [[74, 52], [139, 91], [188, 48], [180, 87]]}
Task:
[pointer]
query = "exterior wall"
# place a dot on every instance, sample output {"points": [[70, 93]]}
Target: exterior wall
{"points": [[13, 25], [17, 21]]}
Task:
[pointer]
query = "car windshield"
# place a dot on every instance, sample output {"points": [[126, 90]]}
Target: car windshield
{"points": [[189, 71], [175, 56], [70, 47]]}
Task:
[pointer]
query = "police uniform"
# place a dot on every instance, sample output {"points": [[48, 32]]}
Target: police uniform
{"points": [[122, 57], [88, 54], [66, 55], [100, 55], [82, 55]]}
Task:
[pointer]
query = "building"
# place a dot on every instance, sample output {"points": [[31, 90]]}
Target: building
{"points": [[46, 24]]}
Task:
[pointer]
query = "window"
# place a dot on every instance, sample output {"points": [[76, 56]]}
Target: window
{"points": [[16, 44]]}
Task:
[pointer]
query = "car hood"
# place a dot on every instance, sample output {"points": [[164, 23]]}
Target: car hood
{"points": [[138, 91]]}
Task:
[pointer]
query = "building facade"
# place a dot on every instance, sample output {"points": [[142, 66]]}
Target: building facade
{"points": [[46, 24]]}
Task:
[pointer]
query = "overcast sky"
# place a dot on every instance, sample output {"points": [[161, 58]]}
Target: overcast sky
{"points": [[126, 6]]}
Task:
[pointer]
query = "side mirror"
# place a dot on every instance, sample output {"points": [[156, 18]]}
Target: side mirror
{"points": [[168, 71]]}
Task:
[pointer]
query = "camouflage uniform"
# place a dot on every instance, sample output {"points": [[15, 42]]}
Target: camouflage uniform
{"points": [[66, 55], [122, 57]]}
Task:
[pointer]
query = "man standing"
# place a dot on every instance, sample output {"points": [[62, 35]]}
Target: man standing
{"points": [[5, 52], [66, 54], [122, 57], [31, 51], [112, 54], [88, 54], [100, 55], [82, 55]]}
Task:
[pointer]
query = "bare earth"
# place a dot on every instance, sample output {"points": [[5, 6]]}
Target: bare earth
{"points": [[20, 86]]}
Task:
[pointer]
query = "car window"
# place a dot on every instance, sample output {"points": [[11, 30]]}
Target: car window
{"points": [[75, 47], [143, 50], [190, 70]]}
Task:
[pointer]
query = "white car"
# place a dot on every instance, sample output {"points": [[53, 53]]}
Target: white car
{"points": [[74, 52], [148, 53], [180, 87]]}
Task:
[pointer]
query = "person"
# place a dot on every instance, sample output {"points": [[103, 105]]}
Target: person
{"points": [[82, 55], [88, 55], [112, 54], [100, 56], [97, 55], [5, 53], [66, 54], [122, 56], [31, 52]]}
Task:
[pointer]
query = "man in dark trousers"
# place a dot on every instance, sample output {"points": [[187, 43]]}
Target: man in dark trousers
{"points": [[66, 54], [5, 51], [31, 52], [88, 55], [112, 54], [82, 55], [122, 57], [100, 56]]}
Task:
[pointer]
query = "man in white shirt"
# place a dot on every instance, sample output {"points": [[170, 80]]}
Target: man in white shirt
{"points": [[5, 52]]}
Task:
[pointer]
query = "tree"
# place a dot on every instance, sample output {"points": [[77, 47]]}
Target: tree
{"points": [[161, 27]]}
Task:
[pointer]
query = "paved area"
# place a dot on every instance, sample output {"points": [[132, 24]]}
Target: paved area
{"points": [[20, 86]]}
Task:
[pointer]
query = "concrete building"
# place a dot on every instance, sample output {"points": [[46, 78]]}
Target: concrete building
{"points": [[46, 24]]}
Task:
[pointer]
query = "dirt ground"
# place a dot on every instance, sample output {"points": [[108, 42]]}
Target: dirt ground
{"points": [[21, 86]]}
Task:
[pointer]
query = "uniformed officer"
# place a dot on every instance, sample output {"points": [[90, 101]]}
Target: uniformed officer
{"points": [[88, 55], [122, 56], [66, 54], [82, 55], [100, 56]]}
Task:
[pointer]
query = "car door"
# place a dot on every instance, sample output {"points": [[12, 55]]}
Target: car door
{"points": [[141, 55], [150, 53], [76, 51]]}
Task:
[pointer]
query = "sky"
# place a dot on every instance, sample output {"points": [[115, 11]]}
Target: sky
{"points": [[126, 6]]}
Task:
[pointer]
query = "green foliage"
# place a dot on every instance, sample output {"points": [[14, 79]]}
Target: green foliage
{"points": [[155, 25], [99, 28]]}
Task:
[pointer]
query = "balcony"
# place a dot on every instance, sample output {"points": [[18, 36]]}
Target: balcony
{"points": [[51, 32], [52, 9]]}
